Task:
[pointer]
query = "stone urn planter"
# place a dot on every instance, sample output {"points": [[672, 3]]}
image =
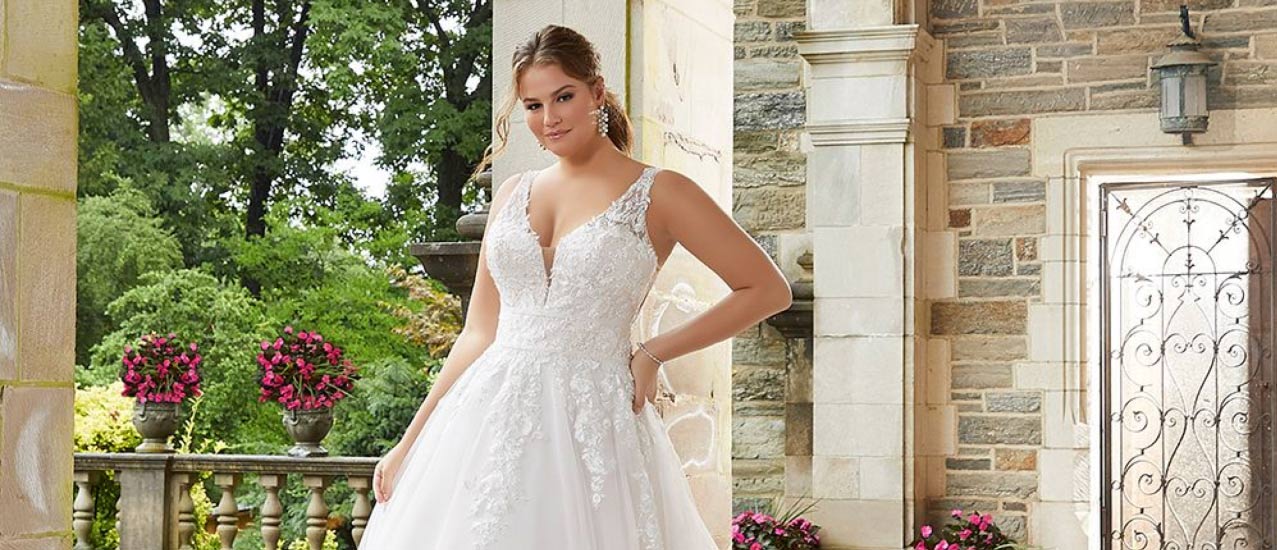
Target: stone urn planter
{"points": [[308, 428], [156, 422]]}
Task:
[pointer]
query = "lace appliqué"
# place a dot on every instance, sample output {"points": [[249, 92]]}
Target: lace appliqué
{"points": [[516, 413]]}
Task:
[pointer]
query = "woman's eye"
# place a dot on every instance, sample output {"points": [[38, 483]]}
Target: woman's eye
{"points": [[565, 97], [532, 106]]}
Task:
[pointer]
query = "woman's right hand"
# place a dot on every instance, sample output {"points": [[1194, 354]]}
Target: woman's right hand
{"points": [[383, 475]]}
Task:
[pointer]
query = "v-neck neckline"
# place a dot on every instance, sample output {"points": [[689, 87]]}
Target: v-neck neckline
{"points": [[548, 268]]}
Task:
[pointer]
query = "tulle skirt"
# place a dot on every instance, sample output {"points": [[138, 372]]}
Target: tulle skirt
{"points": [[538, 449]]}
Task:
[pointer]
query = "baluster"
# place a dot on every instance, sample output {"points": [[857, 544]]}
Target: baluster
{"points": [[185, 511], [272, 509], [362, 508], [317, 511], [227, 510], [82, 515]]}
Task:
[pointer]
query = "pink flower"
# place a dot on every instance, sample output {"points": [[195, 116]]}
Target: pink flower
{"points": [[926, 531], [964, 534]]}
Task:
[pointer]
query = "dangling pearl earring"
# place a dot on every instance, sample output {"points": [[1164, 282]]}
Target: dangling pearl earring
{"points": [[601, 116]]}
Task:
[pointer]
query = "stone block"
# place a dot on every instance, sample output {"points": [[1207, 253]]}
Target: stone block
{"points": [[1194, 6], [882, 478], [992, 484], [979, 376], [1239, 21], [1010, 221], [798, 429], [968, 194], [752, 31], [999, 288], [758, 383], [35, 466], [1021, 102], [762, 111], [37, 135], [952, 463], [976, 429], [989, 348], [1126, 101], [1000, 132], [772, 169], [984, 257], [755, 437], [835, 477], [762, 73], [955, 137], [983, 164], [1116, 67], [989, 63], [46, 288], [1013, 402], [1026, 249], [1251, 73], [1088, 15], [1006, 458], [859, 370], [1266, 46], [959, 218], [954, 9], [857, 430], [781, 8], [41, 41], [1058, 51], [770, 208], [1033, 30], [1135, 40], [1019, 191], [984, 317]]}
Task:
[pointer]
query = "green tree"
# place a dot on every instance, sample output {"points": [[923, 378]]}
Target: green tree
{"points": [[119, 239]]}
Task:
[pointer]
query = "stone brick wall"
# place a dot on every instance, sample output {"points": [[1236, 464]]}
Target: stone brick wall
{"points": [[1009, 61], [37, 271], [769, 199]]}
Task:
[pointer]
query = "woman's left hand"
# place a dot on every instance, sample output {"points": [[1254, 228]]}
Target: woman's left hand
{"points": [[644, 370]]}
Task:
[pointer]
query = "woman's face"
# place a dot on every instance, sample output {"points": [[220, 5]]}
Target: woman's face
{"points": [[557, 109]]}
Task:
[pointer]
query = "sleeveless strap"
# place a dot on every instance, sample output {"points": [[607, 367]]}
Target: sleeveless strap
{"points": [[632, 208]]}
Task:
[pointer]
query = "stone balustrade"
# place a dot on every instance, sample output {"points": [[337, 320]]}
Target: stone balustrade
{"points": [[156, 510]]}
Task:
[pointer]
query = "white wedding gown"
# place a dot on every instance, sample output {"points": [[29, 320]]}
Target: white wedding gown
{"points": [[536, 446]]}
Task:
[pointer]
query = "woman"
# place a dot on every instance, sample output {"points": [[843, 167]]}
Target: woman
{"points": [[536, 433]]}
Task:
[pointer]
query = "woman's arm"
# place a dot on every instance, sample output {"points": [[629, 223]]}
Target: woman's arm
{"points": [[479, 330], [681, 212]]}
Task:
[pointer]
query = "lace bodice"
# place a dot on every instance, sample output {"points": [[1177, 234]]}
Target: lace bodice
{"points": [[585, 300]]}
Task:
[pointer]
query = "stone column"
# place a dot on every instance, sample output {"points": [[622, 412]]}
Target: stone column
{"points": [[670, 62], [866, 211], [37, 270]]}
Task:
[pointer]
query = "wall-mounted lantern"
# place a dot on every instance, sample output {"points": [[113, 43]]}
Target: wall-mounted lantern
{"points": [[1182, 73]]}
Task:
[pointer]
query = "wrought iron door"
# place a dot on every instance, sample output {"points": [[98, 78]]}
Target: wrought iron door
{"points": [[1186, 287]]}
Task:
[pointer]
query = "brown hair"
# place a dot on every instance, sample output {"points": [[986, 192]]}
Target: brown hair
{"points": [[576, 56]]}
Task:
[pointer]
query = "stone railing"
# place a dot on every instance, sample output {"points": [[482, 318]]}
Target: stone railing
{"points": [[156, 510]]}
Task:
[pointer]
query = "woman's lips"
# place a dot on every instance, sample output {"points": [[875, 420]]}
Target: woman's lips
{"points": [[557, 135]]}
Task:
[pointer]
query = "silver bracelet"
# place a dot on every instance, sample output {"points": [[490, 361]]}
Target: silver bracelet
{"points": [[659, 363]]}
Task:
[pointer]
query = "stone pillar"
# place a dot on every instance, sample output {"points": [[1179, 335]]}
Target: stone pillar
{"points": [[37, 270], [865, 208], [671, 64]]}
